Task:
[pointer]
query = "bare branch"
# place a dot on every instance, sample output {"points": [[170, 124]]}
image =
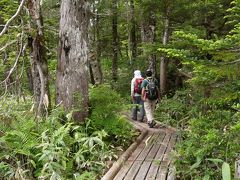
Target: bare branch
{"points": [[12, 18], [17, 59], [8, 44], [42, 87], [185, 74], [232, 62]]}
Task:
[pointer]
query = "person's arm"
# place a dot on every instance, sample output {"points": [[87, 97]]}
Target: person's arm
{"points": [[132, 89], [143, 94]]}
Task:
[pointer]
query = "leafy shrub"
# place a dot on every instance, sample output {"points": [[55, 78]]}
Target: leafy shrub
{"points": [[106, 109], [50, 148], [173, 111], [208, 136]]}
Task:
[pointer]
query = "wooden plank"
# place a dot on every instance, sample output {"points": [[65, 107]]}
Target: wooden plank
{"points": [[123, 171], [163, 169], [171, 172], [126, 167], [141, 164], [151, 155], [152, 172], [133, 170], [143, 170], [155, 164], [137, 151], [171, 169], [149, 146], [169, 148], [163, 147]]}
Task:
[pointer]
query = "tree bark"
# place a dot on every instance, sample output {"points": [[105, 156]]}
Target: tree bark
{"points": [[132, 44], [94, 55], [148, 35], [115, 40], [72, 68], [96, 69], [39, 65], [164, 62]]}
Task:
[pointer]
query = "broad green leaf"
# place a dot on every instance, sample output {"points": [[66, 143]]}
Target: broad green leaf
{"points": [[215, 160], [196, 164], [206, 177], [226, 172]]}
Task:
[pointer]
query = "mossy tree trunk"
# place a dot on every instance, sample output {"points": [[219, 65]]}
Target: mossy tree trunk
{"points": [[39, 64], [72, 68]]}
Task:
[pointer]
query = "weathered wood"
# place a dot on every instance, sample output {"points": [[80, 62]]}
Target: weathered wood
{"points": [[152, 172], [163, 147], [133, 170], [162, 172], [165, 162], [123, 158], [147, 148], [171, 172], [136, 153], [156, 146], [151, 160], [155, 164], [143, 170], [124, 170]]}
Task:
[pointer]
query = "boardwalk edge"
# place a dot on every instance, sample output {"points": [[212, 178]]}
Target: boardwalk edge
{"points": [[119, 163]]}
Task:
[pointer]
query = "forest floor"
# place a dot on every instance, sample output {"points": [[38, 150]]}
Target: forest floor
{"points": [[147, 158]]}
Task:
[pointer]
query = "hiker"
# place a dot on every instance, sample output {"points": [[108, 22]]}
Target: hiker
{"points": [[136, 89], [150, 95]]}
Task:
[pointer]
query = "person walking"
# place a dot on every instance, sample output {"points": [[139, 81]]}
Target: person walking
{"points": [[150, 95], [136, 89]]}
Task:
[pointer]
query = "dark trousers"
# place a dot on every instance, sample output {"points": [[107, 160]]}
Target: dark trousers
{"points": [[139, 106]]}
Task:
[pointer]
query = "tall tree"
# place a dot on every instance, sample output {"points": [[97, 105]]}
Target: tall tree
{"points": [[72, 69], [148, 32], [115, 39], [163, 63], [39, 65], [94, 56], [132, 43]]}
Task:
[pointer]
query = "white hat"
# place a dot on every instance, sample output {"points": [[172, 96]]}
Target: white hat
{"points": [[137, 73]]}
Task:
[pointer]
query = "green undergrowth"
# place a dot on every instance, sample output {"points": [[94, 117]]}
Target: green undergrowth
{"points": [[208, 127], [106, 113], [55, 147]]}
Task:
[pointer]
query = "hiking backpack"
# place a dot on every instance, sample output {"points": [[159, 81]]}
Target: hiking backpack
{"points": [[138, 85], [151, 89]]}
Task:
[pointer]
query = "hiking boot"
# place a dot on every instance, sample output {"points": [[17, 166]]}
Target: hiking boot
{"points": [[152, 124], [134, 119]]}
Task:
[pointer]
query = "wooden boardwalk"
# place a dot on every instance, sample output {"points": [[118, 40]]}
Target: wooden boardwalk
{"points": [[151, 159]]}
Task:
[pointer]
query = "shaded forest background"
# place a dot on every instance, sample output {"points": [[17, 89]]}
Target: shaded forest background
{"points": [[66, 68]]}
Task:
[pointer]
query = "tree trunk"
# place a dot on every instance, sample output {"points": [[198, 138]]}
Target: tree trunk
{"points": [[95, 68], [163, 64], [72, 68], [148, 35], [39, 65], [132, 44], [94, 55], [115, 40]]}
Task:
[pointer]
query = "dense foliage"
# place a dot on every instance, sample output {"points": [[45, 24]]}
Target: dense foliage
{"points": [[55, 147], [202, 101]]}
